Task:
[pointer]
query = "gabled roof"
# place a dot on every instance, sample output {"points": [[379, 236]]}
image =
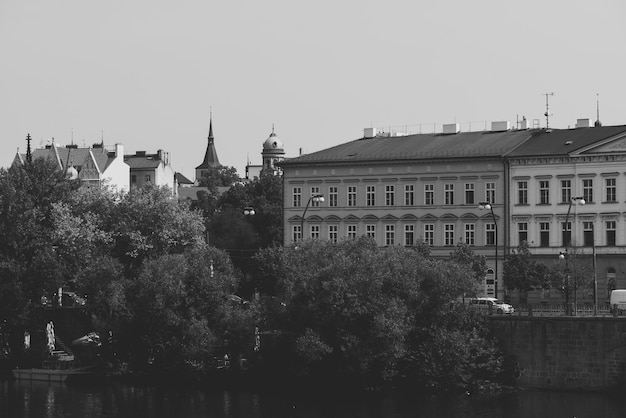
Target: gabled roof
{"points": [[74, 156], [566, 141], [139, 162], [419, 146]]}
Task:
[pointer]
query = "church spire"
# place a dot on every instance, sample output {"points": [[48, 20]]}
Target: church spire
{"points": [[210, 157]]}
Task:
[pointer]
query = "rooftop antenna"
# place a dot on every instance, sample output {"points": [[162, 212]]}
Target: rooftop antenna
{"points": [[598, 123], [548, 114]]}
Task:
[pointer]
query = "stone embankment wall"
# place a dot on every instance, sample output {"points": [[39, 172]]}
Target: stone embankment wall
{"points": [[581, 353]]}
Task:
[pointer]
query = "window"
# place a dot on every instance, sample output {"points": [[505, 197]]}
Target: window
{"points": [[148, 178], [429, 234], [333, 194], [351, 231], [429, 194], [448, 194], [544, 234], [522, 192], [566, 191], [448, 234], [390, 235], [522, 232], [315, 191], [315, 231], [588, 190], [351, 196], [490, 192], [611, 190], [544, 192], [297, 197], [610, 232], [333, 233], [409, 233], [470, 233], [409, 195], [370, 231], [469, 193], [296, 233], [133, 178], [566, 233], [390, 193], [490, 234], [588, 234], [370, 195]]}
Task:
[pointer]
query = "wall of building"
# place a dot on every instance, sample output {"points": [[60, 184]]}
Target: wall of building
{"points": [[573, 353]]}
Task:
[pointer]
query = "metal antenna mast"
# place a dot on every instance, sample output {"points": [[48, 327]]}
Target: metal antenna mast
{"points": [[547, 114]]}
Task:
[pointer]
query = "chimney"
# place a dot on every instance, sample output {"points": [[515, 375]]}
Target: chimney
{"points": [[500, 126], [119, 150], [369, 133], [583, 123], [451, 128]]}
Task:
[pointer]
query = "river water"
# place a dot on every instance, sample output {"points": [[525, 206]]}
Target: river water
{"points": [[21, 399]]}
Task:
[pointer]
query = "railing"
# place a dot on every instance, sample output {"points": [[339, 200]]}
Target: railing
{"points": [[560, 310]]}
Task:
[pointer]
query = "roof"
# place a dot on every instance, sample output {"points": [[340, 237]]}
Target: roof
{"points": [[74, 156], [418, 146], [142, 161], [181, 179], [210, 156], [565, 141]]}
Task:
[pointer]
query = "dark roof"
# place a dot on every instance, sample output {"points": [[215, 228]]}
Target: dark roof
{"points": [[75, 156], [145, 161], [210, 156], [181, 179], [565, 141], [419, 146]]}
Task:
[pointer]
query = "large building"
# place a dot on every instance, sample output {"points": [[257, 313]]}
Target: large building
{"points": [[432, 188]]}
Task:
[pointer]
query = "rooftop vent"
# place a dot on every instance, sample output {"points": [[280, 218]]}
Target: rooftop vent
{"points": [[500, 126], [583, 123], [369, 133], [451, 128]]}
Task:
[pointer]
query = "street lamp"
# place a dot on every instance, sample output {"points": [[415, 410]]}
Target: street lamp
{"points": [[248, 211], [567, 243], [487, 206], [315, 198]]}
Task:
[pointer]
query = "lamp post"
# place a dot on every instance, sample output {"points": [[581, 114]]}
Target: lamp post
{"points": [[315, 198], [565, 254], [248, 211], [487, 206]]}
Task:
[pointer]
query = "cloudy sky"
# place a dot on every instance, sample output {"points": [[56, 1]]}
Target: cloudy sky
{"points": [[147, 73]]}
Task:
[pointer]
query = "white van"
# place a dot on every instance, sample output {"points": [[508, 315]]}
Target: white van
{"points": [[618, 297], [490, 305]]}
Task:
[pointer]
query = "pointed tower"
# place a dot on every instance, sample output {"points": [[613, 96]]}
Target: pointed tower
{"points": [[210, 157]]}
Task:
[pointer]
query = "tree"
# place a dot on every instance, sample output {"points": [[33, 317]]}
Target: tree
{"points": [[464, 255], [365, 313], [522, 272], [222, 176], [570, 274]]}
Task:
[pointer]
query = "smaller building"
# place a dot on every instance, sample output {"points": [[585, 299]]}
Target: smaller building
{"points": [[94, 166], [151, 168]]}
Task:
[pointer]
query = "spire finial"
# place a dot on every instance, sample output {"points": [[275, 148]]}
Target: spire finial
{"points": [[29, 156], [211, 124]]}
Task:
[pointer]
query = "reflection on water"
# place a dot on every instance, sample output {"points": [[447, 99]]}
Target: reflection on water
{"points": [[22, 399]]}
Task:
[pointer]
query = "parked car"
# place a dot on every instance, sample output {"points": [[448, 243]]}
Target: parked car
{"points": [[618, 300], [491, 305]]}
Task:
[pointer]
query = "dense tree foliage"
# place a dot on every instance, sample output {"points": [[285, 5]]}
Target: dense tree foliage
{"points": [[379, 315]]}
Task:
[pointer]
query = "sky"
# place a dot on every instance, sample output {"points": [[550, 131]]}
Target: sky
{"points": [[149, 73]]}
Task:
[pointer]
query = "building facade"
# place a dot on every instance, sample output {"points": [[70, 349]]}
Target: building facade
{"points": [[433, 188], [401, 190], [569, 200]]}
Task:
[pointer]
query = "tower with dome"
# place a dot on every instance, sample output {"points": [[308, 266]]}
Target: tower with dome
{"points": [[272, 153]]}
